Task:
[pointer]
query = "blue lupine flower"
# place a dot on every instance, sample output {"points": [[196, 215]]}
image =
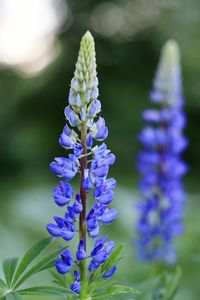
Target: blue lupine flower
{"points": [[75, 100], [110, 272], [64, 167], [87, 181], [100, 151], [91, 162], [108, 185], [102, 250], [94, 108], [64, 265], [99, 170], [68, 138], [63, 228], [78, 149], [160, 163], [63, 194], [81, 253], [102, 130], [77, 206], [76, 286], [89, 141], [99, 213], [108, 216], [71, 116], [94, 93], [105, 198], [93, 266]]}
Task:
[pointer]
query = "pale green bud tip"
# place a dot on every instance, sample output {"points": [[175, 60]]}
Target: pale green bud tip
{"points": [[87, 42], [168, 76], [172, 47], [84, 85], [87, 37], [170, 53]]}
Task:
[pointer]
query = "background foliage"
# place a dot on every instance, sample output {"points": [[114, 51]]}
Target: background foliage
{"points": [[129, 35]]}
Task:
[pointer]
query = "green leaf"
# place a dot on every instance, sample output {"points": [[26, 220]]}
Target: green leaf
{"points": [[121, 289], [44, 264], [113, 259], [60, 280], [95, 275], [45, 291], [9, 267], [2, 284], [174, 283], [3, 289], [100, 285], [168, 284], [114, 290], [30, 255], [13, 296]]}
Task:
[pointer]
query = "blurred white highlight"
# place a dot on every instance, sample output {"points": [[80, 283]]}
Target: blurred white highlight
{"points": [[28, 30], [127, 18]]}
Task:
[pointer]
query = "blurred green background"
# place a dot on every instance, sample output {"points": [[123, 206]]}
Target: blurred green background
{"points": [[39, 42]]}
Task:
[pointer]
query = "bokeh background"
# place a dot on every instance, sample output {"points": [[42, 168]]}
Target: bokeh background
{"points": [[39, 43]]}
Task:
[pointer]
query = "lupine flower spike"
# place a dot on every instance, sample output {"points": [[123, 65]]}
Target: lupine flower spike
{"points": [[91, 162], [160, 164]]}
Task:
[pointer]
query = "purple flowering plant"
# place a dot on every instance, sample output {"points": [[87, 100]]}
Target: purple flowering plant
{"points": [[160, 164]]}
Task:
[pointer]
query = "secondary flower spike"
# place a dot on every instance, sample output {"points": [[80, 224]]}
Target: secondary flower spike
{"points": [[160, 163], [91, 162]]}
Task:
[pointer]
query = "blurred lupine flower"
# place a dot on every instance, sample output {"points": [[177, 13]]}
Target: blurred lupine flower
{"points": [[92, 163], [160, 163]]}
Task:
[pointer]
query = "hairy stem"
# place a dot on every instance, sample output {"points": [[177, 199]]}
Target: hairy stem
{"points": [[82, 219]]}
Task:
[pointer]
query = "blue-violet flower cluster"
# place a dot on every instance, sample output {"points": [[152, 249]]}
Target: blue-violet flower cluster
{"points": [[92, 163], [160, 164]]}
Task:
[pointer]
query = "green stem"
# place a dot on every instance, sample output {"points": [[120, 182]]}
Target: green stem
{"points": [[157, 269], [82, 219]]}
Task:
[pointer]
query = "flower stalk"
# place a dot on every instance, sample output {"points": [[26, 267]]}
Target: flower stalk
{"points": [[160, 163], [79, 135], [82, 217]]}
